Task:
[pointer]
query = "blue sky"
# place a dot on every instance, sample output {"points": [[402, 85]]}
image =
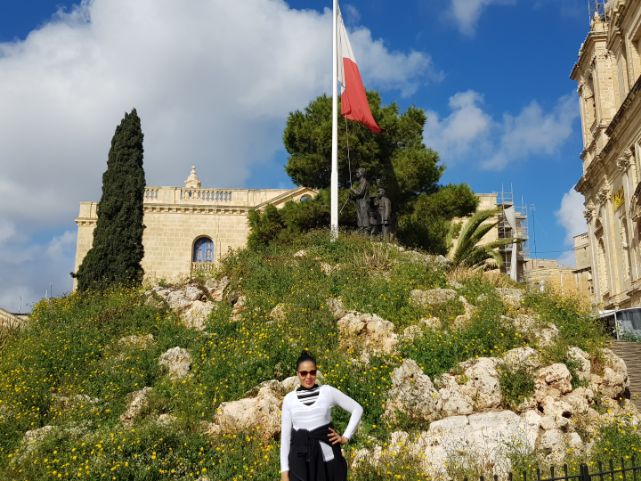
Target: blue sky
{"points": [[493, 76]]}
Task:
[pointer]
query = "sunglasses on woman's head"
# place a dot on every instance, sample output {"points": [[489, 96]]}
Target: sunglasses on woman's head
{"points": [[305, 373]]}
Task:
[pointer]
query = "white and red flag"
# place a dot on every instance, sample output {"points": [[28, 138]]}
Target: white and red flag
{"points": [[354, 104]]}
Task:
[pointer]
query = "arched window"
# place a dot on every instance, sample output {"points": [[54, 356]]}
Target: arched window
{"points": [[305, 198], [203, 250]]}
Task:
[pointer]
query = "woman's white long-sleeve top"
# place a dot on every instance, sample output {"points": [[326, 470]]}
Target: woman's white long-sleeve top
{"points": [[299, 416]]}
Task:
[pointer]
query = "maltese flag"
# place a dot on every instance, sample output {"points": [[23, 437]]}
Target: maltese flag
{"points": [[354, 104]]}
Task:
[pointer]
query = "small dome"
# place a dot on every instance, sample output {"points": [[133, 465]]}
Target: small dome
{"points": [[193, 182]]}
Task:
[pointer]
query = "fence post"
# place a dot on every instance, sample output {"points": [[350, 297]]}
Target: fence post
{"points": [[584, 474]]}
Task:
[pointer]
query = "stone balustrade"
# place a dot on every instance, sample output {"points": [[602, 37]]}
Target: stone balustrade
{"points": [[202, 268], [200, 196]]}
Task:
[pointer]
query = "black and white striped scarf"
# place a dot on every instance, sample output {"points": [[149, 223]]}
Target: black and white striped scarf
{"points": [[308, 396]]}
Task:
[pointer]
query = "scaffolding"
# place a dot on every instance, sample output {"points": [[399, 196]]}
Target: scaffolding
{"points": [[513, 224]]}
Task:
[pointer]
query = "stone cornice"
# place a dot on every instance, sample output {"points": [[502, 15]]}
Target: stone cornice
{"points": [[586, 52], [180, 209]]}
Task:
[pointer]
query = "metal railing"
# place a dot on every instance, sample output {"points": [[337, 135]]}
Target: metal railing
{"points": [[620, 470]]}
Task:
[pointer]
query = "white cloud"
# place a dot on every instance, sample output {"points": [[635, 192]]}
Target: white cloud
{"points": [[466, 129], [534, 131], [570, 217], [204, 79], [62, 244], [7, 231], [391, 70], [466, 13], [469, 133], [350, 13]]}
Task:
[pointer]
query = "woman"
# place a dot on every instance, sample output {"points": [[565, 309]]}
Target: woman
{"points": [[309, 446]]}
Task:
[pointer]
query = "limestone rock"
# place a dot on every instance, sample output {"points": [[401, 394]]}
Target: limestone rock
{"points": [[328, 269], [177, 301], [482, 441], [510, 296], [421, 298], [412, 393], [261, 412], [35, 436], [216, 288], [177, 360], [300, 254], [524, 323], [522, 357], [411, 332], [463, 320], [453, 400], [62, 402], [546, 336], [279, 312], [138, 401], [367, 333], [482, 383], [195, 316], [239, 307], [582, 359], [166, 419], [431, 323], [136, 342], [473, 437], [580, 400], [614, 380], [194, 293], [291, 383], [552, 381], [552, 446], [336, 307], [556, 414]]}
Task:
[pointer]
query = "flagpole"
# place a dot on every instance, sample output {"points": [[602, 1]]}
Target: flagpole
{"points": [[334, 175]]}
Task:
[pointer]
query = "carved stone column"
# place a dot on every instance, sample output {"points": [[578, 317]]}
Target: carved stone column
{"points": [[604, 198]]}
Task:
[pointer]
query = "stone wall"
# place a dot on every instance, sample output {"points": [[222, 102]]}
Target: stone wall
{"points": [[176, 217]]}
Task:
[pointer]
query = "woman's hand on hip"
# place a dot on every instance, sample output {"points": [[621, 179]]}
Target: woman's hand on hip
{"points": [[336, 438]]}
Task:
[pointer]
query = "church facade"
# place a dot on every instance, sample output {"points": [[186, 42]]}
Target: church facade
{"points": [[189, 229], [608, 73]]}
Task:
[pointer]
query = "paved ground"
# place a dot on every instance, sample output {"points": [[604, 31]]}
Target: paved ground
{"points": [[631, 354]]}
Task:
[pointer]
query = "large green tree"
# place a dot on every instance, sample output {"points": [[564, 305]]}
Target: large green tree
{"points": [[117, 249], [397, 159]]}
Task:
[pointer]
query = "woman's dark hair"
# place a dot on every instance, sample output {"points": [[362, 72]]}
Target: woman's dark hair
{"points": [[304, 356]]}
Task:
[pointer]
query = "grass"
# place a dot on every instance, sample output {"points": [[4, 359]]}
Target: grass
{"points": [[71, 348], [517, 384]]}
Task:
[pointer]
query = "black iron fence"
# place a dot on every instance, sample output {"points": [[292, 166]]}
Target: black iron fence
{"points": [[619, 470]]}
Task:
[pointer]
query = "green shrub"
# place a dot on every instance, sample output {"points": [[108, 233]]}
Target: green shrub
{"points": [[517, 384], [486, 334], [577, 326]]}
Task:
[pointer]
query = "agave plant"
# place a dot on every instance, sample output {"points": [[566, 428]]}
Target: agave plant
{"points": [[467, 251]]}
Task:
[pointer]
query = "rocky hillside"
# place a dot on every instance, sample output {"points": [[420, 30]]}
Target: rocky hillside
{"points": [[459, 373]]}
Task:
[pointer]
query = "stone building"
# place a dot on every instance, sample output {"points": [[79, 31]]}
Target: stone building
{"points": [[188, 229], [548, 274], [608, 73]]}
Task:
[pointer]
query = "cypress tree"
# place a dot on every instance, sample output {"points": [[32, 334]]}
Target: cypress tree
{"points": [[117, 249]]}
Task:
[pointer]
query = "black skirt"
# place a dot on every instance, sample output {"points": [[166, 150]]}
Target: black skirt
{"points": [[306, 461]]}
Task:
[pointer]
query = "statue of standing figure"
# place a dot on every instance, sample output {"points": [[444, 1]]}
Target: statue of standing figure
{"points": [[384, 213], [360, 196]]}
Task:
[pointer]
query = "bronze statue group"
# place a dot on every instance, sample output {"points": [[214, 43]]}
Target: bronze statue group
{"points": [[373, 213]]}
